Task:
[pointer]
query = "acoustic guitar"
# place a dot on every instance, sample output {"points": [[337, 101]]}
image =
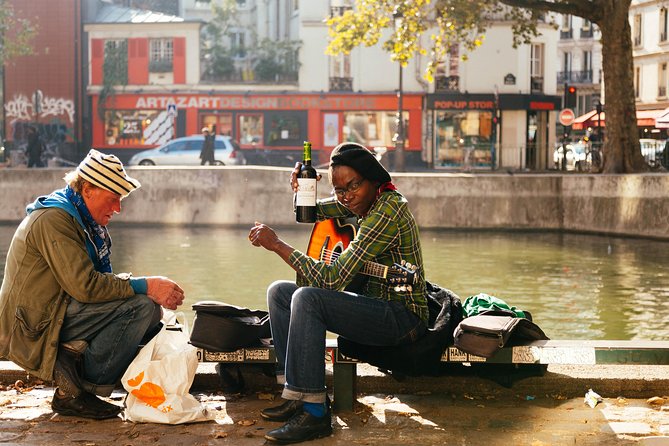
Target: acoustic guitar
{"points": [[329, 238]]}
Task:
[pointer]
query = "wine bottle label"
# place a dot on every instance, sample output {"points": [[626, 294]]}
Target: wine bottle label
{"points": [[306, 193]]}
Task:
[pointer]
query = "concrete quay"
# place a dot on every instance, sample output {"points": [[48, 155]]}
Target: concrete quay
{"points": [[447, 410]]}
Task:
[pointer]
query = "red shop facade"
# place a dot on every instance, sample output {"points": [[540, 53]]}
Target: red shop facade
{"points": [[270, 128]]}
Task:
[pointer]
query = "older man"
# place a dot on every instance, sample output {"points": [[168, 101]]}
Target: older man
{"points": [[63, 314]]}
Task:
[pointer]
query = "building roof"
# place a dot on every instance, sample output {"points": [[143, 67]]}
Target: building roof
{"points": [[120, 14]]}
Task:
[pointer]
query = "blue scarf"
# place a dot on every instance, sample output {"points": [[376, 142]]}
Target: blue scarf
{"points": [[97, 234]]}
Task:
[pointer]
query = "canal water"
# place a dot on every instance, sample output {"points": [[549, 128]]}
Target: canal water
{"points": [[576, 286]]}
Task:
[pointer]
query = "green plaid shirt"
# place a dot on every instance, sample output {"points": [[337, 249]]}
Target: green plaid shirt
{"points": [[387, 235]]}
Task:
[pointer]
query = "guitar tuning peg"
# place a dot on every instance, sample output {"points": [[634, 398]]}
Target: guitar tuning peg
{"points": [[408, 265], [402, 262], [409, 288], [397, 289]]}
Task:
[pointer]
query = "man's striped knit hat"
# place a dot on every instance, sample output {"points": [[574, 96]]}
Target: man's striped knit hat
{"points": [[106, 171]]}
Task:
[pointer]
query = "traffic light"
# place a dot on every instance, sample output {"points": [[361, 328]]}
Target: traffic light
{"points": [[570, 97]]}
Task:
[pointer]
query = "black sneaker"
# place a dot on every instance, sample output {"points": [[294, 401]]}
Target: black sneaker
{"points": [[86, 405], [282, 412], [302, 427]]}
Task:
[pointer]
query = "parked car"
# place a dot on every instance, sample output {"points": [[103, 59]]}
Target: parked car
{"points": [[185, 151], [578, 156]]}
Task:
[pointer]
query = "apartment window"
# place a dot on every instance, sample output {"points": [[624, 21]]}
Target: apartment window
{"points": [[566, 22], [662, 81], [587, 66], [586, 29], [340, 73], [160, 55], [115, 68], [637, 30], [238, 43], [566, 62], [565, 30], [537, 60], [663, 25], [637, 81], [296, 5]]}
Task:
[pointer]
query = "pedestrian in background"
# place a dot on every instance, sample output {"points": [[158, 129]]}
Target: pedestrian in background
{"points": [[34, 149], [64, 315], [207, 153]]}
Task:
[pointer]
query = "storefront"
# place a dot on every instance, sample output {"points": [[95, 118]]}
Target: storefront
{"points": [[468, 131], [269, 127]]}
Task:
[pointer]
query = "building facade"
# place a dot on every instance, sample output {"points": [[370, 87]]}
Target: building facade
{"points": [[262, 76], [650, 43], [45, 90]]}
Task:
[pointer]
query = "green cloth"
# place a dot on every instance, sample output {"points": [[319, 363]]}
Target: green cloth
{"points": [[387, 235], [474, 305]]}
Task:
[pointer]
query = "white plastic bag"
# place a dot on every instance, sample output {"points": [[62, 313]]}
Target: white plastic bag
{"points": [[160, 376]]}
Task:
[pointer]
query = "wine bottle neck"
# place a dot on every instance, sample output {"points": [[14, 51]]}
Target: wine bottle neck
{"points": [[306, 156]]}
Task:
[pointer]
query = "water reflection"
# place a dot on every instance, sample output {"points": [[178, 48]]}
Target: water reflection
{"points": [[576, 286]]}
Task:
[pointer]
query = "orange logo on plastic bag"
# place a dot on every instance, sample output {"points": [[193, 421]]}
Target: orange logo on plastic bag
{"points": [[134, 382], [151, 394]]}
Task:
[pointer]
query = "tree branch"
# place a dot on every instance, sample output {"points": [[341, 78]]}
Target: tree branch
{"points": [[590, 9]]}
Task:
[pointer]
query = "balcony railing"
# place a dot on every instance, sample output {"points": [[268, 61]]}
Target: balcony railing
{"points": [[566, 34], [341, 84], [446, 83], [586, 33], [580, 77]]}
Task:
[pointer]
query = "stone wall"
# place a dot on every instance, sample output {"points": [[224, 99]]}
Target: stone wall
{"points": [[634, 205]]}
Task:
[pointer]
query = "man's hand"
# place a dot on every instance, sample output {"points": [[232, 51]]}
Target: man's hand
{"points": [[164, 292]]}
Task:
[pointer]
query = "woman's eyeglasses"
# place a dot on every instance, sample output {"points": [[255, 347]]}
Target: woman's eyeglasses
{"points": [[352, 188]]}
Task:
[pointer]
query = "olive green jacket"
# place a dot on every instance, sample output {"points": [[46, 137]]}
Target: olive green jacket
{"points": [[47, 265]]}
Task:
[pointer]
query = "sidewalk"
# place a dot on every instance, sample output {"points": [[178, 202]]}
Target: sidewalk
{"points": [[457, 410]]}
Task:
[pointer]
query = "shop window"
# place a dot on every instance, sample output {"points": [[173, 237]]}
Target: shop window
{"points": [[137, 127], [220, 123], [250, 130], [464, 139], [373, 129], [286, 129]]}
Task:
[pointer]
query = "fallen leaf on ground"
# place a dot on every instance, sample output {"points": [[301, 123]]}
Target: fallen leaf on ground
{"points": [[266, 396], [655, 401], [246, 422], [220, 434]]}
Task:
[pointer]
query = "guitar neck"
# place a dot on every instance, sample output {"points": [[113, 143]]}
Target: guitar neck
{"points": [[374, 269]]}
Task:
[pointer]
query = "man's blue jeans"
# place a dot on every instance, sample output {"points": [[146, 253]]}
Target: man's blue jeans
{"points": [[113, 331], [299, 318]]}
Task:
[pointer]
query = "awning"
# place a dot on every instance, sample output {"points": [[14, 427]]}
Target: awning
{"points": [[662, 121], [644, 118]]}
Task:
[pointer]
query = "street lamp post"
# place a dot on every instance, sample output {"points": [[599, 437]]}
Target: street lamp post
{"points": [[398, 138]]}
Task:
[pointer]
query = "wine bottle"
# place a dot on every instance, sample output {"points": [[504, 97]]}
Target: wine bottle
{"points": [[305, 199]]}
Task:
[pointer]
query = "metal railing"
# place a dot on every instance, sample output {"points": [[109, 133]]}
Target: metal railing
{"points": [[582, 77]]}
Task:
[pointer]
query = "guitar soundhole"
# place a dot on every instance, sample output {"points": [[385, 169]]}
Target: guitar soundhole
{"points": [[335, 252]]}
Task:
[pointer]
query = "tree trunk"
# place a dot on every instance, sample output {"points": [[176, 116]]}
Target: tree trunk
{"points": [[621, 153]]}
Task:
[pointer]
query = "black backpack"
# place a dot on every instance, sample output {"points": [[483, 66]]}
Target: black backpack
{"points": [[422, 357]]}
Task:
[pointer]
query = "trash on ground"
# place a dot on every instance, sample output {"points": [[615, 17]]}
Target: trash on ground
{"points": [[655, 401], [592, 398]]}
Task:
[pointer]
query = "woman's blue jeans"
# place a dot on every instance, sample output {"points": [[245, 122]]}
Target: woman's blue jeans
{"points": [[113, 331], [300, 316]]}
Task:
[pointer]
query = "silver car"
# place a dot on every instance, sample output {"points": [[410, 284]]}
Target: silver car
{"points": [[185, 151]]}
